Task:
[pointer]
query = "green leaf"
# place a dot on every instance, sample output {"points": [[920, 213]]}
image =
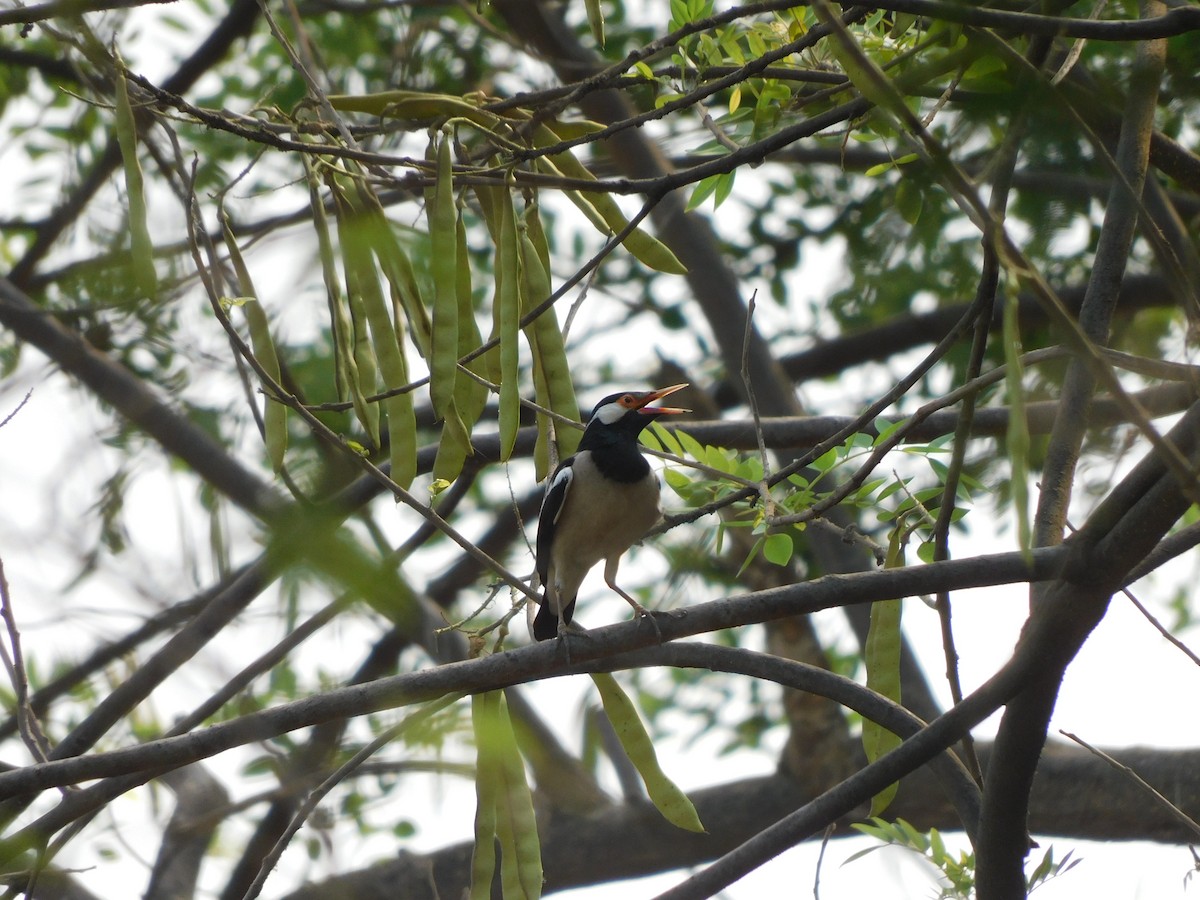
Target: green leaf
{"points": [[1044, 867], [693, 447], [715, 458], [937, 849], [651, 440], [703, 190], [724, 187], [910, 199], [913, 838], [826, 460], [777, 548], [667, 438], [676, 480], [890, 164]]}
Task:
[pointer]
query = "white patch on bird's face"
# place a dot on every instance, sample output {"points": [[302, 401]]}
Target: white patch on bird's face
{"points": [[610, 412]]}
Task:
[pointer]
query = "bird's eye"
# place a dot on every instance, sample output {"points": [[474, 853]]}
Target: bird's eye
{"points": [[627, 400]]}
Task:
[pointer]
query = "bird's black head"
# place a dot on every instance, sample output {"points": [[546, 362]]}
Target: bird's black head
{"points": [[621, 417]]}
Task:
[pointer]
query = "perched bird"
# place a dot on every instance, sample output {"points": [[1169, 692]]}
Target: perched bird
{"points": [[600, 502]]}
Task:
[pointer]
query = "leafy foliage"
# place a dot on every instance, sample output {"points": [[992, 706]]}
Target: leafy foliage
{"points": [[958, 870], [320, 252]]}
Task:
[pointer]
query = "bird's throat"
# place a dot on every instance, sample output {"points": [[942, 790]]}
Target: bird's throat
{"points": [[620, 461]]}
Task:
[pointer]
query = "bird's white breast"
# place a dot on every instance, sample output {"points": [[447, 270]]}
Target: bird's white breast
{"points": [[601, 518]]}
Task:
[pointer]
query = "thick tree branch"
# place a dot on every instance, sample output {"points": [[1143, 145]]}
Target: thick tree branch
{"points": [[133, 398], [1075, 795], [544, 660], [1103, 290], [198, 793], [1117, 537], [1064, 613]]}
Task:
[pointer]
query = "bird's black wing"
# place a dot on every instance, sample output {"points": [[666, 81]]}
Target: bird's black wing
{"points": [[552, 507]]}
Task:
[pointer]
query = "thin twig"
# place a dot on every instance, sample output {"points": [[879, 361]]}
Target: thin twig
{"points": [[1174, 810], [341, 774], [1162, 629], [301, 65], [764, 485], [578, 302], [1150, 617], [20, 406], [829, 830], [27, 723], [714, 129], [1076, 48]]}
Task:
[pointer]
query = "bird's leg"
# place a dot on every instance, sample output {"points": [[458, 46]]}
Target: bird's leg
{"points": [[563, 642], [562, 630], [610, 578], [551, 599]]}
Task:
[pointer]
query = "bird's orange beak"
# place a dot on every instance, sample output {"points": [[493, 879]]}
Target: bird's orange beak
{"points": [[651, 396]]}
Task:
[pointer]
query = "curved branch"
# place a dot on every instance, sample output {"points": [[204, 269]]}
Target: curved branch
{"points": [[809, 819], [1076, 795], [955, 780], [542, 661], [188, 833]]}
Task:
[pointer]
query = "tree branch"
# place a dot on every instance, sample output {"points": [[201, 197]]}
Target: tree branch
{"points": [[1180, 20], [40, 12], [238, 22], [133, 398], [543, 661], [1065, 612], [1100, 299], [1075, 795], [1117, 536]]}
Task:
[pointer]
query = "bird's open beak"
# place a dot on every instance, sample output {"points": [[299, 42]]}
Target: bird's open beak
{"points": [[651, 396]]}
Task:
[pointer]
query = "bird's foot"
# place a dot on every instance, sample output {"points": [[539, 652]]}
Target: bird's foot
{"points": [[640, 612], [573, 630]]}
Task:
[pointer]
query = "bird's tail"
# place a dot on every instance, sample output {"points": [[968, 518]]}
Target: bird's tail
{"points": [[545, 623]]}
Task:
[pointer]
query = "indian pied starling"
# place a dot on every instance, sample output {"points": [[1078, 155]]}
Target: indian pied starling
{"points": [[600, 502]]}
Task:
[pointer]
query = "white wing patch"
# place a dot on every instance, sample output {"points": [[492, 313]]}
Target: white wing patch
{"points": [[556, 494], [552, 507]]}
